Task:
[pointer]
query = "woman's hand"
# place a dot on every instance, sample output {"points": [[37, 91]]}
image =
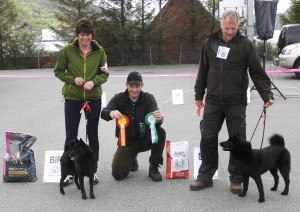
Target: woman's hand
{"points": [[79, 81], [88, 85]]}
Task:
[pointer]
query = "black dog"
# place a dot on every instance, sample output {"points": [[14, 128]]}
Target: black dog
{"points": [[67, 166], [254, 162], [85, 164]]}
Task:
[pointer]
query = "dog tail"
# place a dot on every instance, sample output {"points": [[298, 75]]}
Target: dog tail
{"points": [[277, 140]]}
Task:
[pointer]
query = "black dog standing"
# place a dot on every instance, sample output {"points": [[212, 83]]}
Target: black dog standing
{"points": [[85, 164], [67, 166], [79, 159], [254, 162]]}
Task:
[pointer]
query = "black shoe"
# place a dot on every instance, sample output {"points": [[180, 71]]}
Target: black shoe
{"points": [[135, 165], [154, 173], [69, 180], [96, 181]]}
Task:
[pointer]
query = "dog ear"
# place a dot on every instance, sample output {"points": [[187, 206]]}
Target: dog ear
{"points": [[225, 145]]}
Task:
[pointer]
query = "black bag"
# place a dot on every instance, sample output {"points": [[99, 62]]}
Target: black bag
{"points": [[19, 162]]}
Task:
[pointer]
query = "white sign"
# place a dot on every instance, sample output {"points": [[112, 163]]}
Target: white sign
{"points": [[103, 100], [52, 166], [248, 95], [197, 163], [177, 97], [234, 3]]}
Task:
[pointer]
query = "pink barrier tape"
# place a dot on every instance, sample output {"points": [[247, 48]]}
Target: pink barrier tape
{"points": [[283, 71], [190, 74]]}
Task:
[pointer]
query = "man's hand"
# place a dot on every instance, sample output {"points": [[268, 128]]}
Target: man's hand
{"points": [[199, 103], [269, 102], [115, 114], [157, 115]]}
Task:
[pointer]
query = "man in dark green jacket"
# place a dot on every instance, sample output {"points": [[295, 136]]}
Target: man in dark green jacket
{"points": [[81, 66], [226, 58]]}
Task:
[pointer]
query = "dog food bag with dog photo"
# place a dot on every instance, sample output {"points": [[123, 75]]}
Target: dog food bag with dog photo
{"points": [[19, 162], [177, 159]]}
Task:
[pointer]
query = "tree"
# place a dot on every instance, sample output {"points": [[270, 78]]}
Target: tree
{"points": [[68, 13], [143, 18], [118, 29], [8, 17], [293, 16], [160, 31], [19, 45]]}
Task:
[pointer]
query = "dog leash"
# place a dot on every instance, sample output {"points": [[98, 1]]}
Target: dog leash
{"points": [[263, 115], [86, 108]]}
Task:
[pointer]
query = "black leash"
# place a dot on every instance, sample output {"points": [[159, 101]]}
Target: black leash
{"points": [[263, 114]]}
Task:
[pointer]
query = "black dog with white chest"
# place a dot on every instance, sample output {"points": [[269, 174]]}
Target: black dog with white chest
{"points": [[85, 164], [255, 162]]}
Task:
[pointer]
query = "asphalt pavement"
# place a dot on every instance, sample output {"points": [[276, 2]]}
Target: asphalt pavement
{"points": [[31, 102]]}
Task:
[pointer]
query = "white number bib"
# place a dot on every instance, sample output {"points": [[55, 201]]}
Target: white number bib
{"points": [[223, 52]]}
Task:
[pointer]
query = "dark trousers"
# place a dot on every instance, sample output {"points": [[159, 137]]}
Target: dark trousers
{"points": [[213, 118], [72, 120], [124, 156]]}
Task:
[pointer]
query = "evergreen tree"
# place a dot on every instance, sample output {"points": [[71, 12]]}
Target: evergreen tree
{"points": [[160, 39], [68, 13], [144, 18], [118, 30], [293, 16], [8, 15]]}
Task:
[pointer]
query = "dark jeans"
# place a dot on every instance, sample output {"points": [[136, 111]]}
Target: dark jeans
{"points": [[72, 120], [213, 118], [124, 156]]}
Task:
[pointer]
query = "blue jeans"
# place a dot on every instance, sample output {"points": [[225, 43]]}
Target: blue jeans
{"points": [[72, 120], [213, 118]]}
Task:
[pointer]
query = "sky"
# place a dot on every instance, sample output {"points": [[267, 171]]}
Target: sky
{"points": [[283, 5]]}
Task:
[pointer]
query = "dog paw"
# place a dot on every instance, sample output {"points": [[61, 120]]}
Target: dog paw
{"points": [[84, 197], [260, 200], [92, 196], [242, 195], [284, 193], [273, 189]]}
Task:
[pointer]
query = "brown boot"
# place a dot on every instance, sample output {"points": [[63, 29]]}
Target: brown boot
{"points": [[236, 188], [199, 185]]}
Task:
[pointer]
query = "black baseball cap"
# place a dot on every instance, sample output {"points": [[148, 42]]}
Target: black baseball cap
{"points": [[134, 78]]}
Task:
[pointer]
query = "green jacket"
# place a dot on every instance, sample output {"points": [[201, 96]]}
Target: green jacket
{"points": [[71, 63]]}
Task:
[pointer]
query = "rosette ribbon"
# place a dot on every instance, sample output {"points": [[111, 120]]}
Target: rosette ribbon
{"points": [[122, 123], [151, 121]]}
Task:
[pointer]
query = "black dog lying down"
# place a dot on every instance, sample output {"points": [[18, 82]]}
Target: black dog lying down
{"points": [[254, 162], [85, 165]]}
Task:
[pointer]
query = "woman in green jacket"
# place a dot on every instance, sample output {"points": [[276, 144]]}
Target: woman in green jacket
{"points": [[81, 65]]}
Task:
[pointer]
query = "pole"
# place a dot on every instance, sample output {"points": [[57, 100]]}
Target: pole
{"points": [[250, 9], [180, 55]]}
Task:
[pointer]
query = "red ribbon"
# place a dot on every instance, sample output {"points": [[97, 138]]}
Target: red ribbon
{"points": [[86, 107], [264, 116], [199, 109]]}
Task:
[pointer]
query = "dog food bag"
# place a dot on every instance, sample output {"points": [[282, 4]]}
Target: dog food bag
{"points": [[177, 159], [19, 162]]}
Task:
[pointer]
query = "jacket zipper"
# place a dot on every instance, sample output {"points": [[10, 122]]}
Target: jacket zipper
{"points": [[84, 76]]}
